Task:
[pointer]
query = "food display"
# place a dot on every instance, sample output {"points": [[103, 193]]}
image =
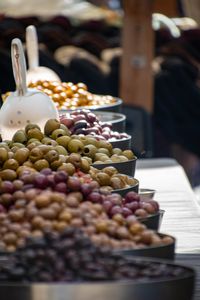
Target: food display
{"points": [[67, 95], [85, 122], [70, 257]]}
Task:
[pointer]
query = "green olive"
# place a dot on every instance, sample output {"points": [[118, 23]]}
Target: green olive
{"points": [[115, 158], [11, 164], [35, 154], [57, 133], [75, 159], [61, 150], [129, 154], [117, 151], [104, 151], [4, 145], [45, 148], [35, 133], [63, 140], [116, 183], [90, 151], [85, 166], [3, 155], [103, 178], [50, 126], [110, 170], [101, 157], [28, 164], [105, 144], [32, 141], [41, 164], [19, 137], [21, 155], [56, 164], [8, 175], [123, 158], [75, 146], [9, 143], [69, 168], [31, 126], [31, 146], [91, 141], [48, 141], [19, 145], [63, 127], [51, 156], [88, 159]]}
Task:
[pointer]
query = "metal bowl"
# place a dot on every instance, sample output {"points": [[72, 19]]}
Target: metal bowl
{"points": [[133, 188], [162, 251], [122, 144], [147, 193], [126, 167], [118, 121], [174, 288], [114, 107], [153, 221]]}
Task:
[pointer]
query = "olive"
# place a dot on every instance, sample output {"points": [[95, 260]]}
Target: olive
{"points": [[75, 159], [45, 148], [56, 164], [90, 150], [8, 175], [63, 127], [35, 134], [103, 151], [48, 141], [18, 145], [61, 150], [88, 159], [115, 158], [117, 151], [42, 201], [101, 157], [3, 155], [103, 178], [129, 154], [75, 146], [68, 168], [19, 137], [31, 126], [50, 126], [9, 143], [4, 145], [21, 155], [105, 144], [51, 156], [57, 133], [11, 164], [110, 171], [28, 163], [123, 158], [41, 164], [91, 141], [63, 140], [10, 154], [116, 183], [85, 166], [31, 141], [35, 154]]}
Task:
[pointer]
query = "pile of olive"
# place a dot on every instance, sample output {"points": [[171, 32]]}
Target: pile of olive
{"points": [[87, 123], [70, 256], [34, 149], [67, 95], [31, 211], [110, 177]]}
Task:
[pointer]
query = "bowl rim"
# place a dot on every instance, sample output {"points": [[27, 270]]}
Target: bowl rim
{"points": [[121, 162], [121, 117]]}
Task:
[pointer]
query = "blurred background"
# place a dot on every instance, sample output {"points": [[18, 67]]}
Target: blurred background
{"points": [[145, 51]]}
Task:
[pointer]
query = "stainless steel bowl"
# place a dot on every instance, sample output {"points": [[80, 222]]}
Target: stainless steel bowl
{"points": [[147, 193], [118, 121], [153, 221], [114, 107], [122, 144], [177, 288], [126, 167]]}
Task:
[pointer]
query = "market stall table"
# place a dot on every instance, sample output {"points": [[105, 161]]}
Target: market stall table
{"points": [[182, 212]]}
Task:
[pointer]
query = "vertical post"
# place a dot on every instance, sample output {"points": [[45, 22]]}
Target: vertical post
{"points": [[136, 78]]}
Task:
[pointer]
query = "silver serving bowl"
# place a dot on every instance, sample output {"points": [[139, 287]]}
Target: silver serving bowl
{"points": [[177, 288], [147, 193], [114, 107], [122, 144], [117, 120]]}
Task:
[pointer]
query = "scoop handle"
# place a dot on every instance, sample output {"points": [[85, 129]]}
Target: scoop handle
{"points": [[19, 66], [32, 47]]}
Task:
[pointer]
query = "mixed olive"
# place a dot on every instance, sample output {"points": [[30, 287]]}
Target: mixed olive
{"points": [[84, 122], [70, 256]]}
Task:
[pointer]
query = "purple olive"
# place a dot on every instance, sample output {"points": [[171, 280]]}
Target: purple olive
{"points": [[78, 118], [91, 117], [69, 122]]}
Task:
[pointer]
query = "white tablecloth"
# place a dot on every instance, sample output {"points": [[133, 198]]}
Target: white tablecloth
{"points": [[176, 197]]}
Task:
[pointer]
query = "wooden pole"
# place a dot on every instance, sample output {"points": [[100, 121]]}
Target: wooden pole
{"points": [[136, 78]]}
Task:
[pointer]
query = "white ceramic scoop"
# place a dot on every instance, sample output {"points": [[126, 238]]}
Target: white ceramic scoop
{"points": [[24, 105], [35, 72]]}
